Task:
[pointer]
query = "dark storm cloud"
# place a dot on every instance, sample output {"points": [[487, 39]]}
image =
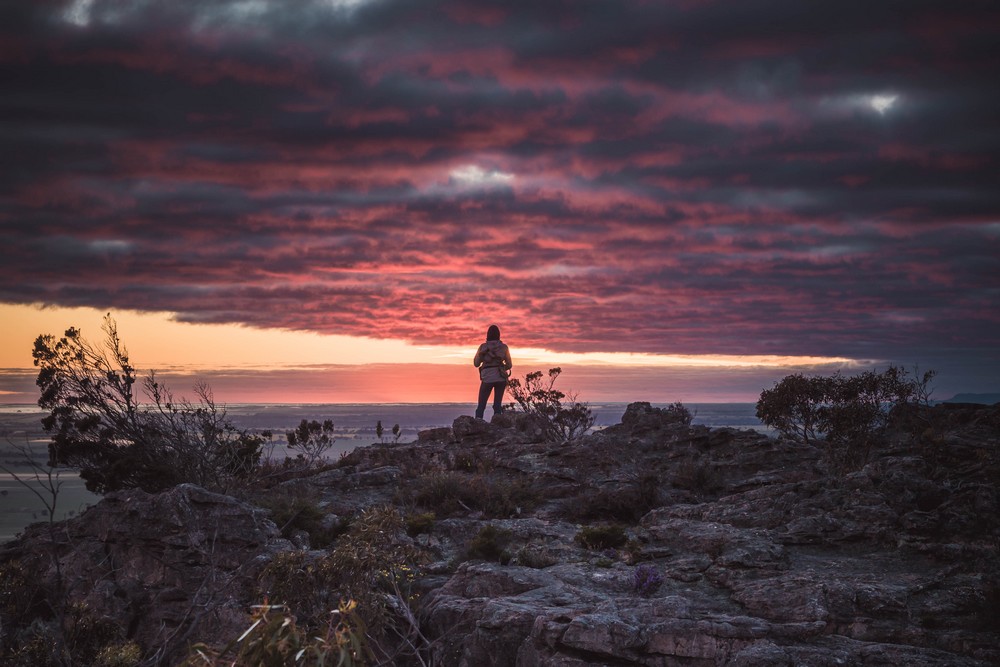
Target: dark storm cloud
{"points": [[700, 177]]}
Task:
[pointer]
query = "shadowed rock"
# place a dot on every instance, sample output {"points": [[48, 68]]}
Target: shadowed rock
{"points": [[766, 558]]}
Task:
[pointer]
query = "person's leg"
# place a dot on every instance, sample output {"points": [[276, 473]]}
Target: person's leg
{"points": [[498, 397], [484, 394]]}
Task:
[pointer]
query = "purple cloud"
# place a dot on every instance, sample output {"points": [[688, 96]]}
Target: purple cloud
{"points": [[701, 177]]}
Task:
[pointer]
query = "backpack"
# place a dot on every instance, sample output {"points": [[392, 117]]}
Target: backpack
{"points": [[492, 369]]}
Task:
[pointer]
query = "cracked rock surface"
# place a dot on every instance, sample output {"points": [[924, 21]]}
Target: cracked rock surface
{"points": [[647, 543]]}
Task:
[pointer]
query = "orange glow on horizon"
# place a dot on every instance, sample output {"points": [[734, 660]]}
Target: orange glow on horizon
{"points": [[157, 341], [249, 365]]}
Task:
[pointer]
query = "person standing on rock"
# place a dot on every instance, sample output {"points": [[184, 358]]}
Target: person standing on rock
{"points": [[494, 364]]}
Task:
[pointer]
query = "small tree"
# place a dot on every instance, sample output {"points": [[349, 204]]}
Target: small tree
{"points": [[537, 396], [860, 410], [793, 406], [98, 425], [312, 438], [850, 413], [679, 413]]}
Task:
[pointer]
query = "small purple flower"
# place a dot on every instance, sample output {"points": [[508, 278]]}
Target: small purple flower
{"points": [[646, 580]]}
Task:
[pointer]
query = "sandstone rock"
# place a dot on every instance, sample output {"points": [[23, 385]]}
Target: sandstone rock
{"points": [[641, 416], [442, 434], [471, 431], [766, 558], [166, 567]]}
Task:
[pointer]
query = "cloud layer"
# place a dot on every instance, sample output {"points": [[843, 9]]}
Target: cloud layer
{"points": [[690, 177]]}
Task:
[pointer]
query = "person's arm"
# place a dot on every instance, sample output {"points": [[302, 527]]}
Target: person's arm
{"points": [[478, 359], [510, 364]]}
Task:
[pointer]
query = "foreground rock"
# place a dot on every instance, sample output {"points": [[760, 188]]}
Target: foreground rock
{"points": [[158, 570], [649, 543]]}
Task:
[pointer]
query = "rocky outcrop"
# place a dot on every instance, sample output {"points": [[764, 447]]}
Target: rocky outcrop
{"points": [[651, 542], [165, 568]]}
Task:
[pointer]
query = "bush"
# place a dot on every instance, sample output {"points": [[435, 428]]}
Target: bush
{"points": [[97, 424], [793, 405], [849, 412], [494, 496], [445, 493], [312, 439], [47, 632], [539, 398], [678, 413], [598, 538], [490, 543], [275, 639], [292, 513], [373, 564], [417, 524], [627, 503]]}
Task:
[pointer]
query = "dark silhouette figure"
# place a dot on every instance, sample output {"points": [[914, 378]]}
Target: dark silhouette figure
{"points": [[493, 361]]}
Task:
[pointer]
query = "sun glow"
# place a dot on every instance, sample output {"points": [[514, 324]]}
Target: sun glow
{"points": [[158, 341], [475, 175], [882, 103]]}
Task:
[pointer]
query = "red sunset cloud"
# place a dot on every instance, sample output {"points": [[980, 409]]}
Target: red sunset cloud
{"points": [[689, 178]]}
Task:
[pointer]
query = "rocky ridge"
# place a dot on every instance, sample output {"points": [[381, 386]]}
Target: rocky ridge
{"points": [[705, 546]]}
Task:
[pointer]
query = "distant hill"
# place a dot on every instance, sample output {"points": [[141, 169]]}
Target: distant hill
{"points": [[985, 399]]}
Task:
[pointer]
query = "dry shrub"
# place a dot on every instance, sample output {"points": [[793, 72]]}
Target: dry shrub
{"points": [[627, 503], [598, 538], [495, 496]]}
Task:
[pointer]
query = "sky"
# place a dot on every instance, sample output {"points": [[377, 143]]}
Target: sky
{"points": [[331, 200]]}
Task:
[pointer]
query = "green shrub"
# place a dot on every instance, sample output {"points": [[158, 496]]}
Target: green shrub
{"points": [[54, 633], [793, 405], [417, 524], [21, 595], [40, 628], [634, 552], [292, 513], [445, 493], [628, 503], [851, 413], [490, 543], [494, 495], [597, 538], [502, 498], [36, 645], [538, 397]]}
